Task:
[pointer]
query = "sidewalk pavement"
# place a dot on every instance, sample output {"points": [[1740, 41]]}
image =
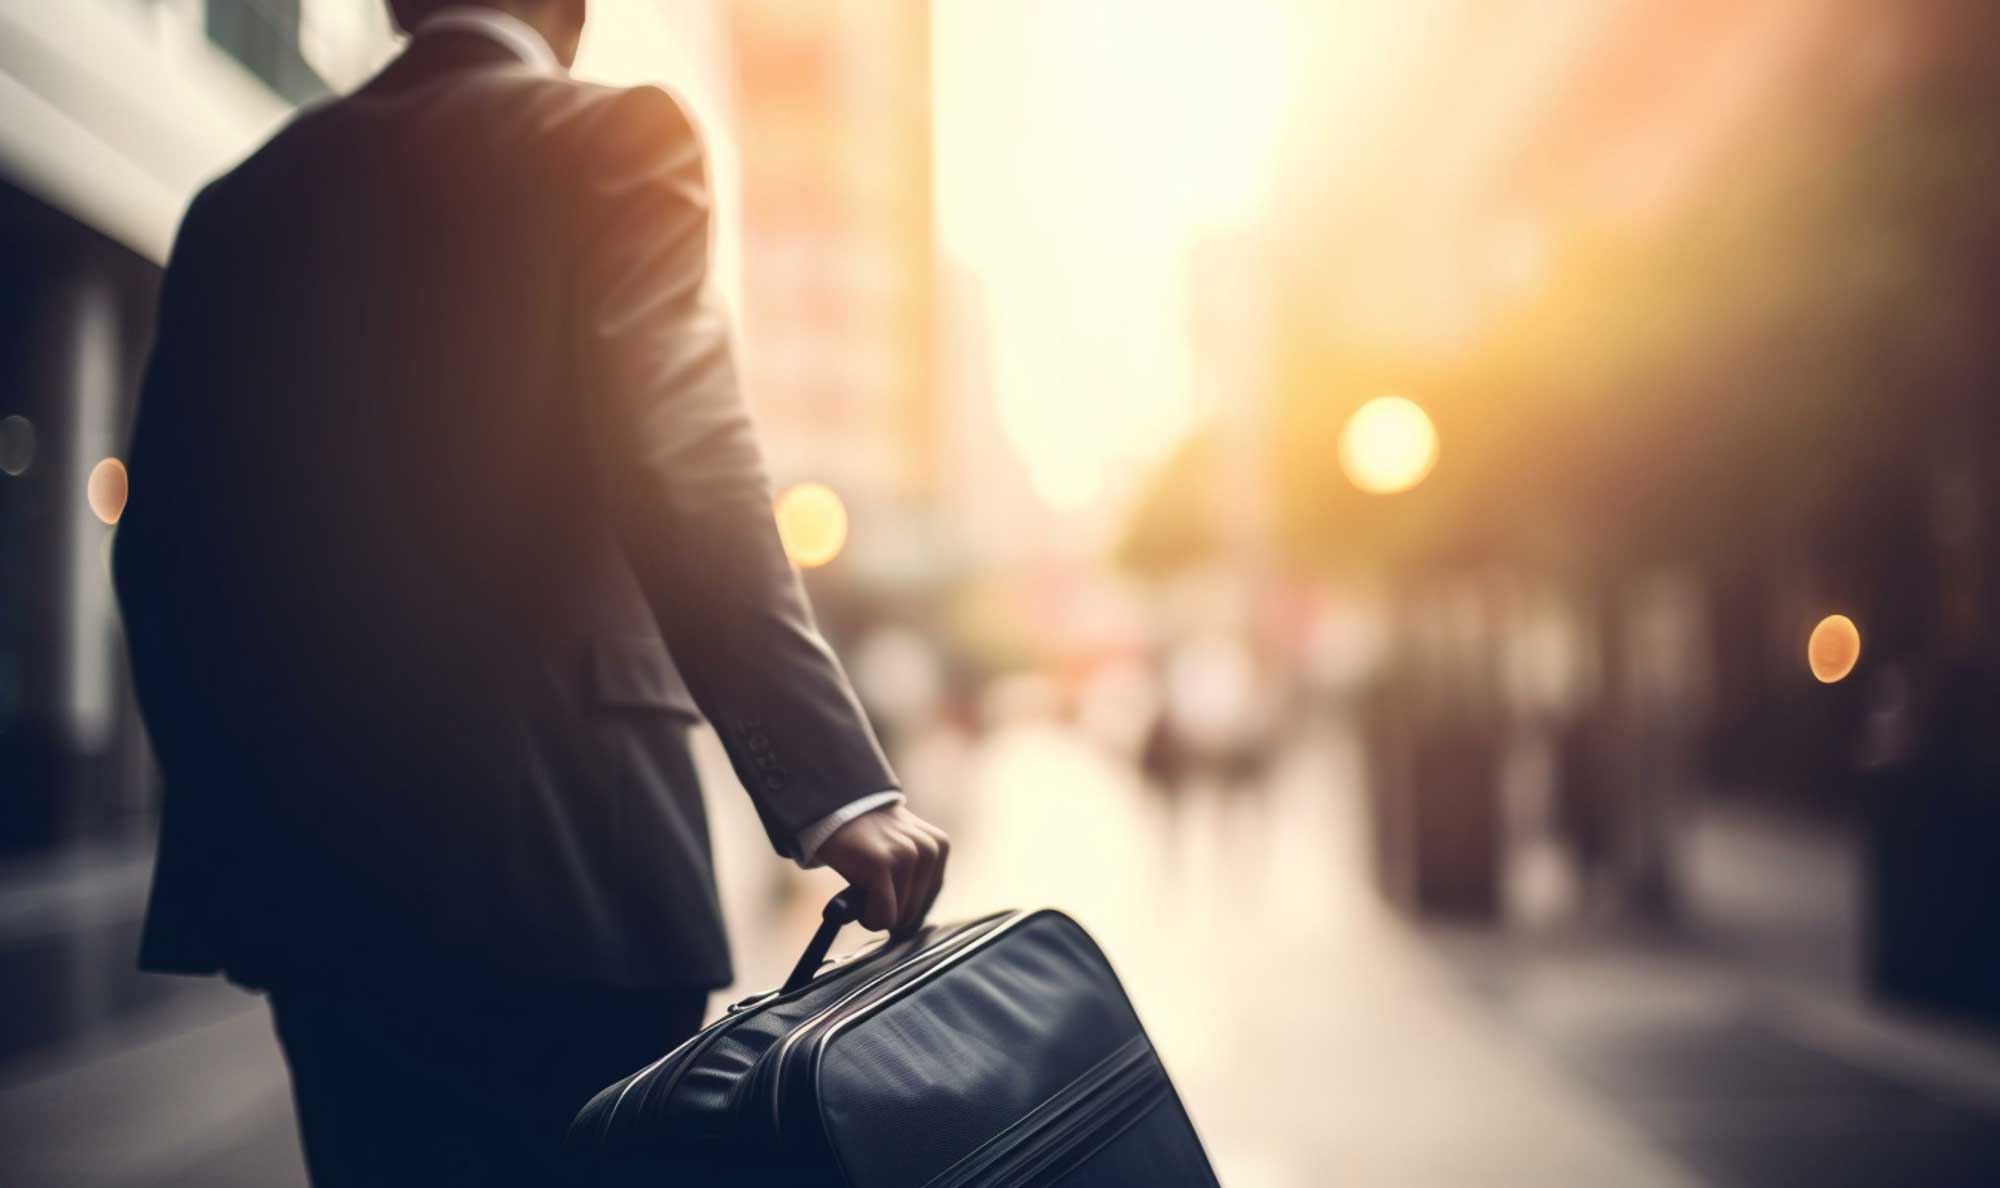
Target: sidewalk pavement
{"points": [[1318, 1038], [1739, 1039], [1315, 1037]]}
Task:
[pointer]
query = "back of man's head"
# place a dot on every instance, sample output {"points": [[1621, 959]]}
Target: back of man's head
{"points": [[560, 22], [408, 14]]}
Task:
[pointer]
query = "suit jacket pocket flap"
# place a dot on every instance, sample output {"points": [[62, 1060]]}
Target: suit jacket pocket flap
{"points": [[637, 673]]}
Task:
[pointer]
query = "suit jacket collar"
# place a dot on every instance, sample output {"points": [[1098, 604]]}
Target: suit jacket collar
{"points": [[502, 28], [441, 51]]}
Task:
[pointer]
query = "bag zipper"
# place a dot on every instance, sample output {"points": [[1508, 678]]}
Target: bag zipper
{"points": [[832, 1021], [1093, 1127], [735, 1013], [691, 1048], [1099, 1104], [774, 1059]]}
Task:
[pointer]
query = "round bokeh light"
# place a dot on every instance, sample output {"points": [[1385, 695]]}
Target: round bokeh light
{"points": [[1834, 649], [1389, 445], [812, 522]]}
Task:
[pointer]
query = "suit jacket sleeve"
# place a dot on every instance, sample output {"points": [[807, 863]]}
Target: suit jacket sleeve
{"points": [[683, 475]]}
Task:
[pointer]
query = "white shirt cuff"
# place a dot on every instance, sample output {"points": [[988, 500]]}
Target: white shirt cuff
{"points": [[813, 836]]}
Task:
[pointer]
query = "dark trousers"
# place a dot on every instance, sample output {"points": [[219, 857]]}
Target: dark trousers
{"points": [[468, 1085]]}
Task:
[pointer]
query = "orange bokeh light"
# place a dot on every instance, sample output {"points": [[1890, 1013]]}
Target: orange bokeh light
{"points": [[1834, 649], [812, 522], [107, 490]]}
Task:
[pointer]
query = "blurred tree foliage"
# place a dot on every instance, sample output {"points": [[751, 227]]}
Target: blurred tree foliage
{"points": [[1752, 376]]}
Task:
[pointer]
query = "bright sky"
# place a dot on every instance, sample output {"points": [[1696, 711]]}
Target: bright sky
{"points": [[1082, 151]]}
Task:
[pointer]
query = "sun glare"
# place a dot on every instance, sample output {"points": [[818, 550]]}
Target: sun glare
{"points": [[1389, 445], [1083, 154]]}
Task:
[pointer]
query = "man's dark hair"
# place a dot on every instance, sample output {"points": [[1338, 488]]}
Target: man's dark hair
{"points": [[411, 13], [560, 22]]}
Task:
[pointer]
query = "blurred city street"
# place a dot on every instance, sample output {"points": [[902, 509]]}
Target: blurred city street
{"points": [[1460, 539], [1318, 1038]]}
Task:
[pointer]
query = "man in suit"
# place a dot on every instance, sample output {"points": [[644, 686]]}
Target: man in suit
{"points": [[447, 522]]}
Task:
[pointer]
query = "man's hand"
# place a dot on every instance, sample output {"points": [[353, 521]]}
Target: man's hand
{"points": [[896, 859]]}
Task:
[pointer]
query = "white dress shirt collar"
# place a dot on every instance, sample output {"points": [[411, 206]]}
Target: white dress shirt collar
{"points": [[511, 31]]}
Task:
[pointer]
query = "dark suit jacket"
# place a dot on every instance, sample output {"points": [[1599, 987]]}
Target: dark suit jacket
{"points": [[446, 519]]}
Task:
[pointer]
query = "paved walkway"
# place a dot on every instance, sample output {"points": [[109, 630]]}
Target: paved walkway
{"points": [[1318, 1039], [1315, 1038]]}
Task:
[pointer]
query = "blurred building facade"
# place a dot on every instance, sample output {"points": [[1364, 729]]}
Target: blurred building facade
{"points": [[833, 124], [117, 111]]}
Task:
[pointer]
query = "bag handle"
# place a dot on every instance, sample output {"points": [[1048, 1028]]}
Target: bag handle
{"points": [[842, 910]]}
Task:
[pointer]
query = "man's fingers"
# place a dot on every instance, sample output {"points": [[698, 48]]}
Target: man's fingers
{"points": [[924, 905], [937, 870], [937, 850], [903, 862], [921, 885], [943, 842], [896, 860], [926, 885], [878, 913]]}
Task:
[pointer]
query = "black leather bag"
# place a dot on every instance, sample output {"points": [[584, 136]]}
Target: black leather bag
{"points": [[995, 1052]]}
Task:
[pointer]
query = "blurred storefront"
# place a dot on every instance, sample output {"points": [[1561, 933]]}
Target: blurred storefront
{"points": [[117, 111]]}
